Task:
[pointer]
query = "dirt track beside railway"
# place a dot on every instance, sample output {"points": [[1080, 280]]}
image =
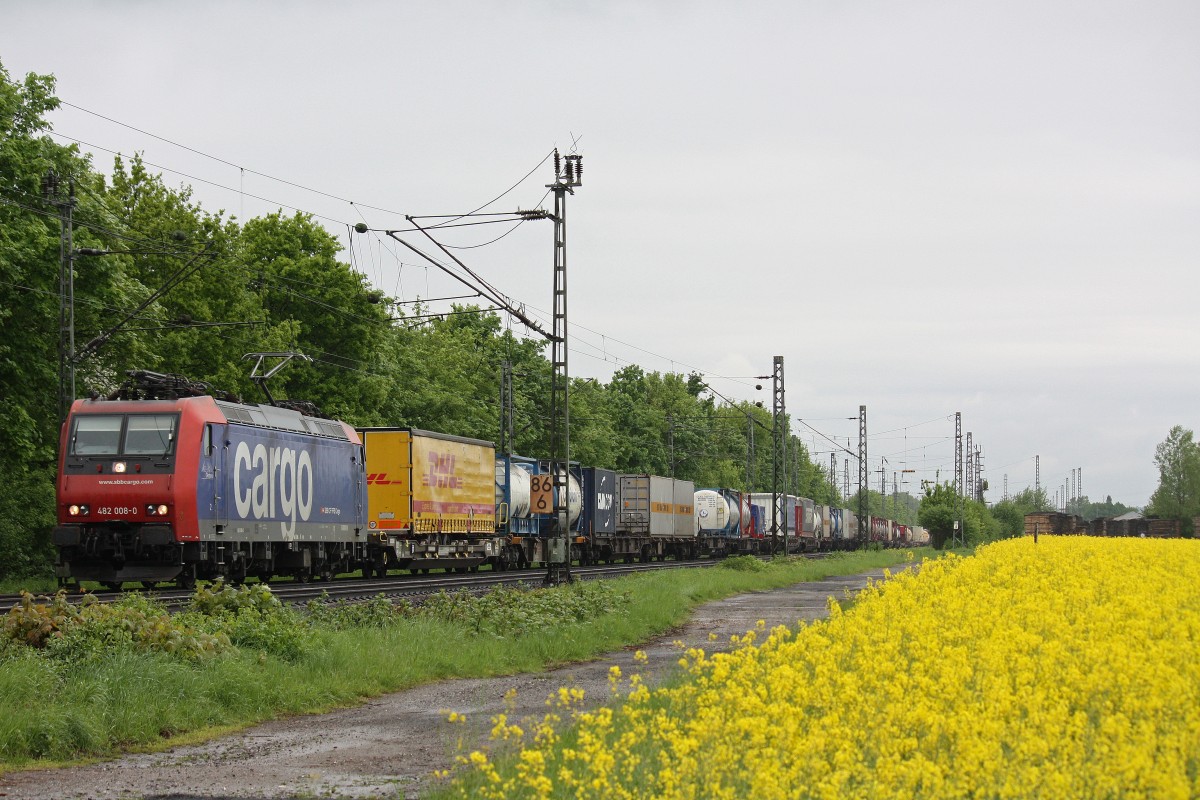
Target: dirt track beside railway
{"points": [[389, 746]]}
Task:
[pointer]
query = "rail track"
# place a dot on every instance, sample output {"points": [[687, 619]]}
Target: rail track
{"points": [[411, 587]]}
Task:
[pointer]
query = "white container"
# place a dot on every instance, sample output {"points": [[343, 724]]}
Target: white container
{"points": [[712, 512], [518, 494]]}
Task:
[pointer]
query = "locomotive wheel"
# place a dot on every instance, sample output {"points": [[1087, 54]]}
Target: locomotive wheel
{"points": [[113, 586], [186, 579], [264, 576], [150, 585]]}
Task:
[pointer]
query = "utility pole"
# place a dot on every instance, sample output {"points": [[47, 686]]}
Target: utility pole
{"points": [[1006, 486], [833, 471], [568, 175], [1080, 472], [671, 441], [904, 472], [794, 469], [846, 476], [863, 533], [779, 452], [750, 455], [970, 483], [51, 183], [895, 493], [506, 408], [978, 474], [882, 486]]}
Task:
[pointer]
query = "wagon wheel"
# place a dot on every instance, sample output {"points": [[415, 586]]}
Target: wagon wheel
{"points": [[150, 585], [186, 579], [113, 586]]}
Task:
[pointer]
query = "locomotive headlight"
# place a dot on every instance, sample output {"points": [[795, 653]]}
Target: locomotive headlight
{"points": [[77, 510], [118, 466], [156, 510]]}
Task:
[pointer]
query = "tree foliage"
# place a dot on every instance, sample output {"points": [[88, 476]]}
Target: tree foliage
{"points": [[1178, 494], [941, 508]]}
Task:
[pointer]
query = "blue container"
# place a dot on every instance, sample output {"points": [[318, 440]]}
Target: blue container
{"points": [[599, 502]]}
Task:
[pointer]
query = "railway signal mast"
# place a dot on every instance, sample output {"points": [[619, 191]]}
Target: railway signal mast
{"points": [[958, 477], [969, 485], [568, 175]]}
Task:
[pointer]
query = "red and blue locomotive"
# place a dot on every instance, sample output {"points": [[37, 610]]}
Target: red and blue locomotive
{"points": [[165, 482]]}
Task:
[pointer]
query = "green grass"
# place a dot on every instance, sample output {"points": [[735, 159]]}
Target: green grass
{"points": [[54, 710], [36, 585]]}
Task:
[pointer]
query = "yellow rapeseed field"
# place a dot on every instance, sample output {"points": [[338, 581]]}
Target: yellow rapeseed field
{"points": [[1069, 668]]}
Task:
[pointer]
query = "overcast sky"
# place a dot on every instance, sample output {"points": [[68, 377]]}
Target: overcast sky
{"points": [[925, 207]]}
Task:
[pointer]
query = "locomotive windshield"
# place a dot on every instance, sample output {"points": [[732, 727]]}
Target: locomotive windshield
{"points": [[123, 434], [98, 435]]}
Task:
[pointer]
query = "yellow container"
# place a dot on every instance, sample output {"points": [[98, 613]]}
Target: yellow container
{"points": [[421, 483]]}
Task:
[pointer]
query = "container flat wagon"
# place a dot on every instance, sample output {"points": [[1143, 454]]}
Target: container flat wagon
{"points": [[656, 518], [431, 501]]}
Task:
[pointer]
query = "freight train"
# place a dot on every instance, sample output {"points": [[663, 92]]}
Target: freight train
{"points": [[166, 481]]}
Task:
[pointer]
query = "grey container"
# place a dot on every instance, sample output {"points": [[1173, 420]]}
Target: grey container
{"points": [[651, 505]]}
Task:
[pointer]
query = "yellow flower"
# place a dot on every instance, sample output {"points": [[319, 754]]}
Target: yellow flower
{"points": [[966, 678]]}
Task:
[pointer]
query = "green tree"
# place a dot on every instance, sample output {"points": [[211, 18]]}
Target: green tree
{"points": [[939, 510], [29, 315], [1178, 494], [331, 312]]}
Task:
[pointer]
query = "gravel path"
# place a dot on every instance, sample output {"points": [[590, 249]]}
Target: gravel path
{"points": [[389, 746]]}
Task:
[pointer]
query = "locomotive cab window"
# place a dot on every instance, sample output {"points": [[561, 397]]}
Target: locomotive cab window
{"points": [[97, 435], [149, 434]]}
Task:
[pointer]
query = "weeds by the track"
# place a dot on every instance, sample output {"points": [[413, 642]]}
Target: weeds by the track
{"points": [[119, 690]]}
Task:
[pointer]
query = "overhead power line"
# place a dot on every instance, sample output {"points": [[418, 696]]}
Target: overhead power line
{"points": [[226, 162]]}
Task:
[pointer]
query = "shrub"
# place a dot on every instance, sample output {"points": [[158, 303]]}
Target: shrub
{"points": [[34, 624], [378, 612], [744, 564], [510, 611], [221, 597], [92, 629]]}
